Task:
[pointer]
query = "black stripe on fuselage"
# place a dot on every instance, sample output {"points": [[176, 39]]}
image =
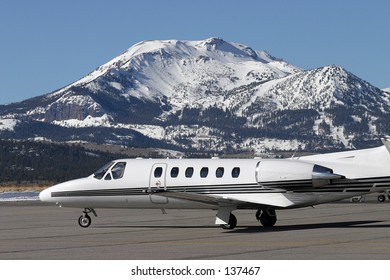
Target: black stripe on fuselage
{"points": [[102, 192]]}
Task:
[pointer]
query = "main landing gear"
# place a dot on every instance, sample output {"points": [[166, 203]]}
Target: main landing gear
{"points": [[85, 220], [232, 222], [267, 217], [382, 196]]}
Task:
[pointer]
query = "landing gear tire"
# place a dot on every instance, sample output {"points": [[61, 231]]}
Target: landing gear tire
{"points": [[85, 221], [266, 217], [381, 198], [232, 223]]}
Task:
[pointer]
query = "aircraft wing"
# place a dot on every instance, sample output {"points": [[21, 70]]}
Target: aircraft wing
{"points": [[275, 199], [202, 198]]}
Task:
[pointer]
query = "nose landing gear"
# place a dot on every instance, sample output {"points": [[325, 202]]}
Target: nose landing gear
{"points": [[85, 220]]}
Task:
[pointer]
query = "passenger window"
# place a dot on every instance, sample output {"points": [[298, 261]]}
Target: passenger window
{"points": [[158, 172], [118, 170], [204, 172], [236, 172], [219, 172], [174, 172], [189, 172]]}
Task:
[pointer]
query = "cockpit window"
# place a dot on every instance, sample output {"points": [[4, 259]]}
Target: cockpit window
{"points": [[103, 170], [118, 170]]}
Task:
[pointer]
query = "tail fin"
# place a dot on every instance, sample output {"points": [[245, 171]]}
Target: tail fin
{"points": [[372, 156]]}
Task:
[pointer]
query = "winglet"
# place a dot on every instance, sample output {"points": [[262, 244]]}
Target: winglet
{"points": [[386, 142]]}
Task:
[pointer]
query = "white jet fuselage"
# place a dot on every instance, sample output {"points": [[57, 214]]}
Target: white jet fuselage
{"points": [[242, 183]]}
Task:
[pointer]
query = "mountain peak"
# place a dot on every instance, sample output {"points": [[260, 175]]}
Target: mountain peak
{"points": [[222, 47], [214, 41], [208, 94]]}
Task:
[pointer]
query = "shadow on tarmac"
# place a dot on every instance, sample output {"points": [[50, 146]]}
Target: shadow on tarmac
{"points": [[259, 228], [354, 224]]}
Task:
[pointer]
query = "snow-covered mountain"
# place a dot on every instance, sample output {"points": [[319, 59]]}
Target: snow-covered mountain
{"points": [[206, 95]]}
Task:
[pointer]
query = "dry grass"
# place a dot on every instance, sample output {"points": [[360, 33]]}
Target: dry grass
{"points": [[23, 188]]}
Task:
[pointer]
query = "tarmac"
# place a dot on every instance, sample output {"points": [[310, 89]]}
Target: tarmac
{"points": [[336, 231]]}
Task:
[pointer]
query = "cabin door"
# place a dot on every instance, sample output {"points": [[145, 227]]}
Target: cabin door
{"points": [[157, 182]]}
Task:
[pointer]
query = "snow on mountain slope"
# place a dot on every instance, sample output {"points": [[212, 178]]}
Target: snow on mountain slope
{"points": [[7, 124], [161, 65], [215, 95], [321, 88], [197, 74]]}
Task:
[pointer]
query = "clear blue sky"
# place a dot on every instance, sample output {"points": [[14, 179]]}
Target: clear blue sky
{"points": [[47, 44]]}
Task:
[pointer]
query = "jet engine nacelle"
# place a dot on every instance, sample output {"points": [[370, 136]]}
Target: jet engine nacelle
{"points": [[293, 174]]}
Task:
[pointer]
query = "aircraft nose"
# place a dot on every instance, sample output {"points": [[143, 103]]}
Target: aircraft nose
{"points": [[45, 195]]}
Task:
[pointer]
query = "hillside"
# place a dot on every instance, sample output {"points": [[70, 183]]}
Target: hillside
{"points": [[206, 96], [26, 162]]}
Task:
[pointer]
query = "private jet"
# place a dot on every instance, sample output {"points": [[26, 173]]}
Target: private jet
{"points": [[226, 185]]}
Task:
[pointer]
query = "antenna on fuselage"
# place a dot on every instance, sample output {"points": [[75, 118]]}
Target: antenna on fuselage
{"points": [[296, 150], [386, 142]]}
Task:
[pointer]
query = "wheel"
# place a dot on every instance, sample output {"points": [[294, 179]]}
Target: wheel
{"points": [[381, 198], [268, 218], [85, 221], [232, 222]]}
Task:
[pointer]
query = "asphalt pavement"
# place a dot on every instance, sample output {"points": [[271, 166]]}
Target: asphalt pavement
{"points": [[32, 230]]}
